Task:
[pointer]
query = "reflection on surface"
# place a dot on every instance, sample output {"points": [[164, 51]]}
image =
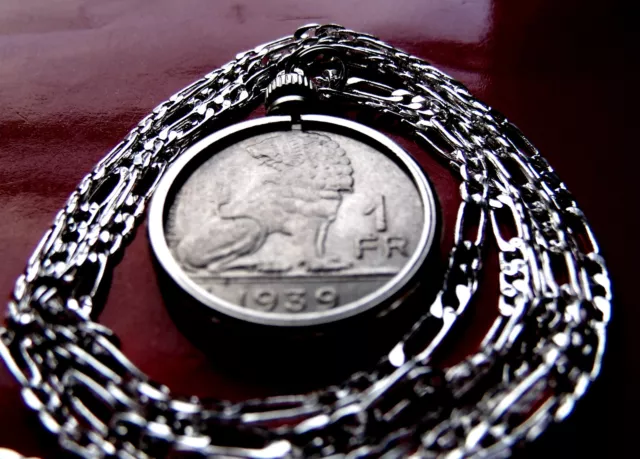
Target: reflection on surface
{"points": [[76, 75]]}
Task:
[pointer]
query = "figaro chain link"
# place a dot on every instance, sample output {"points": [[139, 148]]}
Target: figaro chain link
{"points": [[538, 358]]}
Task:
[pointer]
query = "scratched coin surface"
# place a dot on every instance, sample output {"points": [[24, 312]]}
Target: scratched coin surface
{"points": [[299, 224]]}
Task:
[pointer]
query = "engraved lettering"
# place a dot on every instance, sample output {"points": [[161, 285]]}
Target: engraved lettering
{"points": [[265, 299], [310, 229], [295, 300], [366, 243], [398, 244], [326, 297], [380, 209]]}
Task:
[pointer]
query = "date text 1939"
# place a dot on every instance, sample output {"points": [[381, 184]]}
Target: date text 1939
{"points": [[292, 299]]}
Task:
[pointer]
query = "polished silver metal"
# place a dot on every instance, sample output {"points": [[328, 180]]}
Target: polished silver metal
{"points": [[290, 92], [544, 349], [298, 222]]}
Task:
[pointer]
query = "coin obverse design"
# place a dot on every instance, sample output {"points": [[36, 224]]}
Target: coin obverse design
{"points": [[328, 220], [296, 225]]}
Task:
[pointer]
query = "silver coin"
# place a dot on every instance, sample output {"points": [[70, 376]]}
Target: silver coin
{"points": [[286, 224]]}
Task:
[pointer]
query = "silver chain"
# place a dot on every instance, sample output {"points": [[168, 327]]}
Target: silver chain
{"points": [[539, 357]]}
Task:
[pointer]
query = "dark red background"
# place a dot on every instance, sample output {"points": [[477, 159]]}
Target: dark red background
{"points": [[76, 75]]}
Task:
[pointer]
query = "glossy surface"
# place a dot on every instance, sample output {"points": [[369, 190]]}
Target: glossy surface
{"points": [[77, 74], [279, 248]]}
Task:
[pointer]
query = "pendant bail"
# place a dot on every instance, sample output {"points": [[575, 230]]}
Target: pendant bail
{"points": [[290, 93]]}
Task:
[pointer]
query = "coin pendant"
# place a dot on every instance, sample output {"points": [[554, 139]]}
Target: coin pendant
{"points": [[293, 224]]}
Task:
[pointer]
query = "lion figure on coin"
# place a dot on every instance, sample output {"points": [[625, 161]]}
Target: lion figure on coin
{"points": [[298, 195]]}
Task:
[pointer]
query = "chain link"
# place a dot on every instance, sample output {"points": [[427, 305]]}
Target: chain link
{"points": [[538, 358]]}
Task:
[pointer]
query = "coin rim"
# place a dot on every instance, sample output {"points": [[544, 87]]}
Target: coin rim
{"points": [[181, 169]]}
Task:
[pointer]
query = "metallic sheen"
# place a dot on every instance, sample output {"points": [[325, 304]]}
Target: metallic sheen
{"points": [[539, 357], [296, 226]]}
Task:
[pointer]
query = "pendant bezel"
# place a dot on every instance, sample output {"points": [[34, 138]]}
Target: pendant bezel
{"points": [[198, 153]]}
